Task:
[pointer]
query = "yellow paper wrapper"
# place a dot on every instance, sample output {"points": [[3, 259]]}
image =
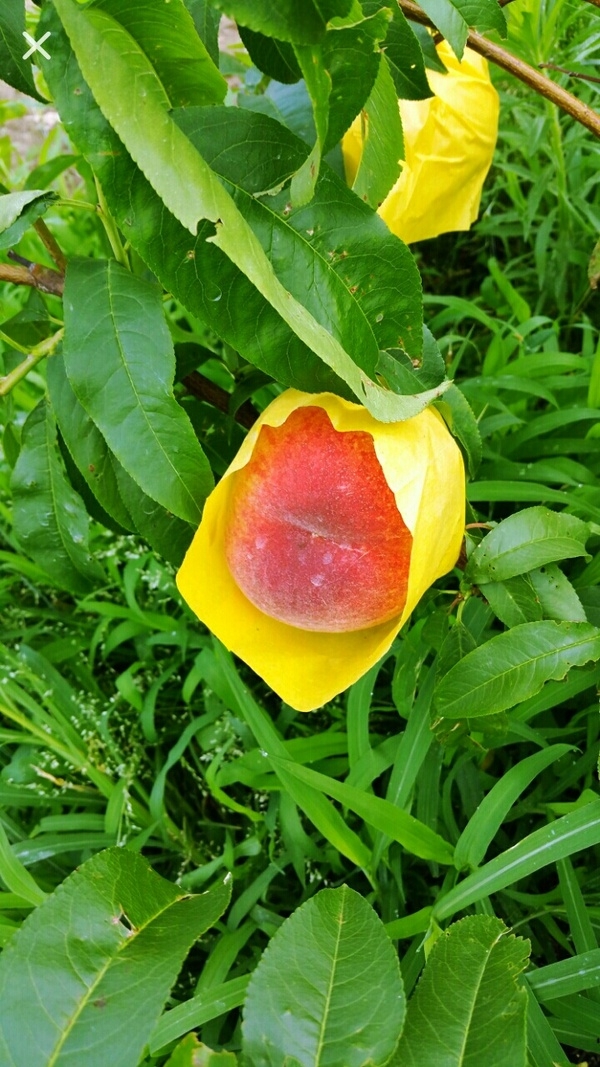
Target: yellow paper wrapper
{"points": [[449, 144], [423, 467]]}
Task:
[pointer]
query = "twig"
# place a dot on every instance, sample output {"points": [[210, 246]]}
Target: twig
{"points": [[204, 389], [39, 353], [571, 73], [50, 243], [34, 274], [521, 70]]}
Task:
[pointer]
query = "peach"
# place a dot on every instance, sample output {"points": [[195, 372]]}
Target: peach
{"points": [[318, 477], [313, 534]]}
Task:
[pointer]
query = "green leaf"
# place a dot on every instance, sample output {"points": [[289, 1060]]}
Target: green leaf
{"points": [[167, 35], [404, 55], [556, 595], [15, 70], [460, 418], [310, 1000], [469, 1008], [484, 824], [454, 17], [396, 823], [197, 1011], [95, 963], [164, 532], [286, 20], [274, 58], [514, 666], [192, 191], [567, 976], [206, 20], [192, 1053], [513, 601], [18, 211], [367, 309], [339, 74], [128, 392], [383, 144], [15, 876], [87, 447], [49, 518], [525, 541], [578, 830]]}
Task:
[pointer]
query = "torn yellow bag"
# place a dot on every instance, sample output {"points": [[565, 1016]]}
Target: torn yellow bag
{"points": [[449, 143]]}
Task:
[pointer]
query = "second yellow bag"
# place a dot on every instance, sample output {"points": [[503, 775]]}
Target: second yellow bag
{"points": [[449, 143]]}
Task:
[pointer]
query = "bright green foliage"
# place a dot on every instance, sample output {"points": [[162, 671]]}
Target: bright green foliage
{"points": [[311, 1000], [113, 928], [469, 1008]]}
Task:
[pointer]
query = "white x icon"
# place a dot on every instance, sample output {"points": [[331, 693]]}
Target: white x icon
{"points": [[36, 46]]}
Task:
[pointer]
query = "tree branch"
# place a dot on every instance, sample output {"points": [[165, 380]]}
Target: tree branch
{"points": [[521, 70], [46, 348], [570, 73], [204, 389], [51, 244], [34, 274]]}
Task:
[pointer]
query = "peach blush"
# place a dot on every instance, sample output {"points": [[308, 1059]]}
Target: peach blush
{"points": [[314, 537]]}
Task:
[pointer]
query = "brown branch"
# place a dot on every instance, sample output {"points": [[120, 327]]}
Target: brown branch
{"points": [[38, 277], [521, 70], [571, 73], [204, 389], [51, 244]]}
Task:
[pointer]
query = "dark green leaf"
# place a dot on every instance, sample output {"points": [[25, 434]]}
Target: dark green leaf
{"points": [[461, 420], [206, 20], [340, 74], [164, 532], [15, 70], [49, 518], [286, 20], [209, 285], [167, 35], [556, 595], [18, 211], [274, 58], [128, 392], [31, 324], [514, 666], [92, 504], [525, 541], [403, 53], [456, 645], [469, 1007], [310, 999], [94, 964], [454, 17], [85, 443], [197, 192], [383, 144], [513, 601], [427, 43]]}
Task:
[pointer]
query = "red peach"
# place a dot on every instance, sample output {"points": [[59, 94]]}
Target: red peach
{"points": [[314, 537]]}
